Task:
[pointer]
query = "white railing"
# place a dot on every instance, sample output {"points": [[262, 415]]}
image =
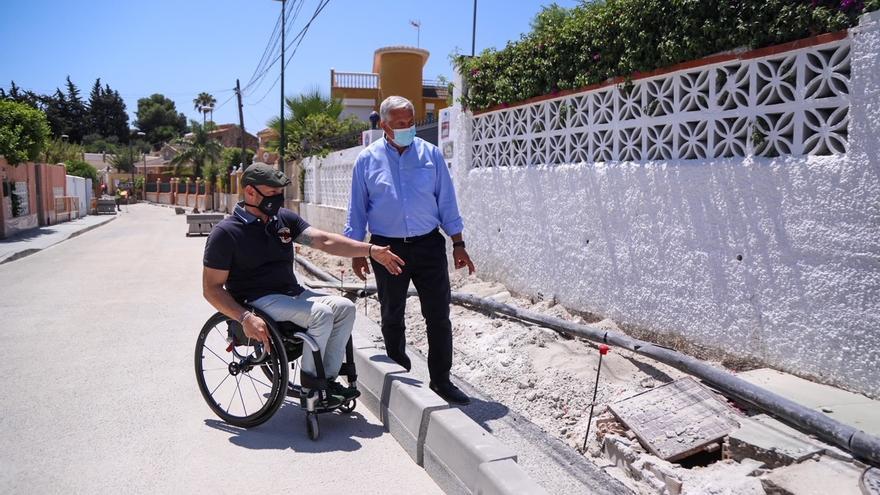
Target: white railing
{"points": [[790, 103], [335, 184], [356, 80], [309, 181]]}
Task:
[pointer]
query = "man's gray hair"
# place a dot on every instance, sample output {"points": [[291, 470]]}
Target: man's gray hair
{"points": [[394, 103]]}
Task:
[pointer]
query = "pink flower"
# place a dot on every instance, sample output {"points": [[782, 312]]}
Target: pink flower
{"points": [[596, 57]]}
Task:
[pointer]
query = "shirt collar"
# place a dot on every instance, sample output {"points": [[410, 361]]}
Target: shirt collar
{"points": [[390, 148], [244, 215]]}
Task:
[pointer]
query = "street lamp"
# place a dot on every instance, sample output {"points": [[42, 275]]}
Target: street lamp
{"points": [[131, 161]]}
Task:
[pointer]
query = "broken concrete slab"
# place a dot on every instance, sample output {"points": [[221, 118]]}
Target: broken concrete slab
{"points": [[725, 477], [849, 408], [677, 419], [767, 440], [814, 477]]}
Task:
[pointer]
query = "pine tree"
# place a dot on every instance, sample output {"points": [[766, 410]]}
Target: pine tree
{"points": [[106, 113], [75, 113]]}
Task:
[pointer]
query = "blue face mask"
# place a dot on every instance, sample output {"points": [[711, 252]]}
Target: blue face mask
{"points": [[404, 137]]}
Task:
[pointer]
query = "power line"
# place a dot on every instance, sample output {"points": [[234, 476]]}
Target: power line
{"points": [[262, 69], [268, 51], [298, 39]]}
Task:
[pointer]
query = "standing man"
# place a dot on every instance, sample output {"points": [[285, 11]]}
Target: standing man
{"points": [[402, 192]]}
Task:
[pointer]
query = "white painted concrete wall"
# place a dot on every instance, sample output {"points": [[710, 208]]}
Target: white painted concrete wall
{"points": [[654, 245], [82, 189]]}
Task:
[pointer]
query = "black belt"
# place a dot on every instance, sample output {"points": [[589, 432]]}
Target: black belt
{"points": [[407, 240]]}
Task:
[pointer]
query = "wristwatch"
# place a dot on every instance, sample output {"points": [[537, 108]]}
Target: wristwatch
{"points": [[458, 244]]}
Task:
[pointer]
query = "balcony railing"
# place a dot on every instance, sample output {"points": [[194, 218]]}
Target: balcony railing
{"points": [[369, 80], [355, 80]]}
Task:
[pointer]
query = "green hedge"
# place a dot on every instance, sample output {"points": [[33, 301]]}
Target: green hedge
{"points": [[573, 48]]}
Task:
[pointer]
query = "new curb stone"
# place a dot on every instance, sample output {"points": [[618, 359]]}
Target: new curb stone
{"points": [[505, 477], [408, 414], [455, 446], [375, 370], [458, 454]]}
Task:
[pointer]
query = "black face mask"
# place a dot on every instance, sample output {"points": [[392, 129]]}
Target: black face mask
{"points": [[270, 204]]}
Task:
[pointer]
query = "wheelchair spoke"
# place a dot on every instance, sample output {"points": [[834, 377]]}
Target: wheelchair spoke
{"points": [[257, 392], [232, 399], [214, 353], [240, 396], [218, 385], [259, 381]]}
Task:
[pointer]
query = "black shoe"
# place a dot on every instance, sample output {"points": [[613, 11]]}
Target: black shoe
{"points": [[450, 393], [337, 389], [403, 361]]}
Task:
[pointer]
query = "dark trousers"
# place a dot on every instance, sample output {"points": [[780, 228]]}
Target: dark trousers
{"points": [[426, 266]]}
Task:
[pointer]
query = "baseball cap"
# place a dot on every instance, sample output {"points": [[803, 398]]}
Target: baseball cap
{"points": [[263, 174]]}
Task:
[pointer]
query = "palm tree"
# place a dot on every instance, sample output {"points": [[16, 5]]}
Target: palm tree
{"points": [[204, 103], [202, 150], [313, 102]]}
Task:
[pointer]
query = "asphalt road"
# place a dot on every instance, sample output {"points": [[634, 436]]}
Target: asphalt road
{"points": [[99, 394]]}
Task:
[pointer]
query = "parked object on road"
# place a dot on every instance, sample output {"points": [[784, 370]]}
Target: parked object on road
{"points": [[106, 205], [202, 223], [232, 373]]}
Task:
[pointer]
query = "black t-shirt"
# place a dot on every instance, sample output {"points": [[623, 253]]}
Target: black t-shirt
{"points": [[259, 256]]}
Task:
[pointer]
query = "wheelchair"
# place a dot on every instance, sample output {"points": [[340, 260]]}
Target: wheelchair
{"points": [[244, 385]]}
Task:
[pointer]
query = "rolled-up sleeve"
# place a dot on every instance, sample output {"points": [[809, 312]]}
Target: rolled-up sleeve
{"points": [[356, 222], [450, 218]]}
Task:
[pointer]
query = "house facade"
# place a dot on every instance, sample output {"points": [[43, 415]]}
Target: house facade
{"points": [[397, 70]]}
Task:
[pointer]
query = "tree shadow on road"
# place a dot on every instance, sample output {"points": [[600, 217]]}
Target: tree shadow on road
{"points": [[339, 432]]}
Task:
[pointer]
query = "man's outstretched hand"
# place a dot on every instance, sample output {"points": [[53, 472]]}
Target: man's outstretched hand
{"points": [[383, 256]]}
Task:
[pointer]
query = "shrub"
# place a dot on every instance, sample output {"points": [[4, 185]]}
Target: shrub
{"points": [[81, 168], [23, 132], [569, 49]]}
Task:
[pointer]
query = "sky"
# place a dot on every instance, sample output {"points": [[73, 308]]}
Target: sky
{"points": [[183, 47]]}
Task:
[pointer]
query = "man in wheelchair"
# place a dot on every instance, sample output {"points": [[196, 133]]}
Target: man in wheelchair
{"points": [[248, 262]]}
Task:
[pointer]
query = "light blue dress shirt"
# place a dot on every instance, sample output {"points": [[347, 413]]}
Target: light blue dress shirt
{"points": [[401, 195]]}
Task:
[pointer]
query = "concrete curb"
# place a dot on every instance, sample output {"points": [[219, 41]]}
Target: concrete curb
{"points": [[27, 252], [458, 454]]}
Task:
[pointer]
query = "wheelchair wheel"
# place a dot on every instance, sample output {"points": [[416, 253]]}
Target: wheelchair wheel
{"points": [[228, 378], [293, 386], [312, 425]]}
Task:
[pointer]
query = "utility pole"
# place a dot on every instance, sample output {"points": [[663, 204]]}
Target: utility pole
{"points": [[474, 31], [281, 141], [241, 124]]}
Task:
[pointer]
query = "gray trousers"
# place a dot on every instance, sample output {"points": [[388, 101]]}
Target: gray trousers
{"points": [[328, 319]]}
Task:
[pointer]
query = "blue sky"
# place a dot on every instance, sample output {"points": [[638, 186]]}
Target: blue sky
{"points": [[180, 48]]}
